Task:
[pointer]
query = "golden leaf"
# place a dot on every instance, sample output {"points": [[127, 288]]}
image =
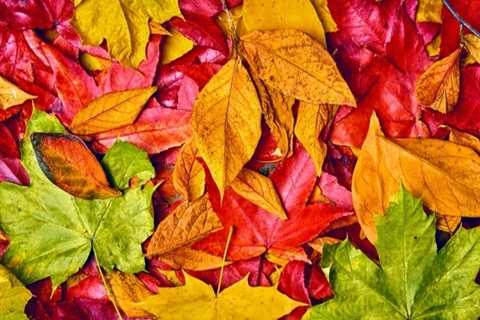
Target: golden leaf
{"points": [[232, 19], [268, 15], [259, 190], [197, 300], [472, 43], [433, 48], [311, 120], [188, 175], [175, 46], [297, 65], [429, 11], [448, 223], [111, 111], [188, 223], [443, 174], [323, 11], [191, 259], [94, 63], [319, 243], [439, 86], [464, 139], [11, 95], [226, 122], [157, 28]]}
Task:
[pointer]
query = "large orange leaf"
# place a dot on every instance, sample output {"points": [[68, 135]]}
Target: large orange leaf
{"points": [[68, 163]]}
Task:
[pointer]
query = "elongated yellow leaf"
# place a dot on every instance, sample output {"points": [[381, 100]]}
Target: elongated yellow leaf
{"points": [[191, 259], [429, 11], [311, 120], [175, 46], [442, 173], [472, 43], [323, 11], [124, 24], [197, 300], [297, 65], [188, 175], [439, 86], [111, 111], [186, 224], [11, 95], [226, 122], [259, 190], [283, 14]]}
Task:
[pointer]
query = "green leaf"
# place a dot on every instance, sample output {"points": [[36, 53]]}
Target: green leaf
{"points": [[412, 281], [124, 161], [52, 233], [123, 24], [13, 296]]}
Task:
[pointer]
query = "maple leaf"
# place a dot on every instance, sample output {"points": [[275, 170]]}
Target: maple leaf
{"points": [[412, 281], [124, 24], [13, 296], [424, 166], [226, 122], [11, 95], [197, 299], [125, 161], [189, 175], [53, 233]]}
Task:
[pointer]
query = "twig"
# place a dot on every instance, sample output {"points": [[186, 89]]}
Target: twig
{"points": [[220, 278], [459, 18]]}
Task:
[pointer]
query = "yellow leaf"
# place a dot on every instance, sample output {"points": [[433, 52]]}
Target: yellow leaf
{"points": [[124, 24], [472, 43], [111, 111], [311, 120], [443, 174], [188, 175], [93, 63], [13, 296], [429, 11], [433, 48], [175, 46], [259, 190], [191, 259], [226, 122], [439, 86], [197, 300], [297, 65], [283, 14], [278, 115], [323, 11], [464, 139], [448, 223], [11, 95], [188, 223], [157, 28], [232, 19]]}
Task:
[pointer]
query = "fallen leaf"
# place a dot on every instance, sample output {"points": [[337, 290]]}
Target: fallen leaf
{"points": [[259, 190], [323, 11], [226, 122], [187, 258], [283, 14], [189, 175], [311, 120], [13, 296], [464, 139], [53, 233], [125, 161], [11, 95], [472, 44], [111, 111], [297, 65], [448, 223], [197, 299], [429, 11], [412, 280], [188, 223], [157, 29], [439, 86], [441, 173], [70, 165], [175, 46], [123, 24]]}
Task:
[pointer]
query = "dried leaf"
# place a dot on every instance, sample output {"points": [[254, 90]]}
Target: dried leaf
{"points": [[297, 65], [111, 111], [429, 11], [442, 173], [323, 11], [187, 258], [175, 46], [259, 190], [11, 95], [439, 86], [188, 223], [189, 175], [197, 300], [472, 43], [226, 122], [283, 14], [68, 163], [311, 120]]}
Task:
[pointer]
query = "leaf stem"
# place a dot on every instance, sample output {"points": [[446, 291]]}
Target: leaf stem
{"points": [[459, 18], [227, 244]]}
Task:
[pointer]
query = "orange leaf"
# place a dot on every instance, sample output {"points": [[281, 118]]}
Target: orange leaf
{"points": [[189, 176], [191, 259], [68, 163]]}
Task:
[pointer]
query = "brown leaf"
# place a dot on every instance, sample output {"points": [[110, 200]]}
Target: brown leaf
{"points": [[297, 65], [188, 175], [226, 122], [68, 163], [188, 223], [111, 111], [259, 190], [439, 86], [443, 174]]}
